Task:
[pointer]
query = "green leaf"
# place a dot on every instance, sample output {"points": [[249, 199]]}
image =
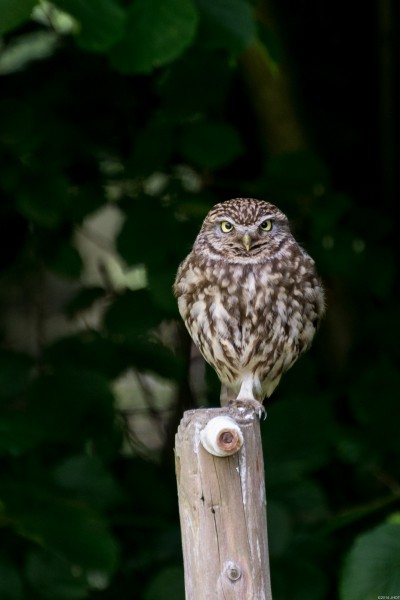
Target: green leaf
{"points": [[133, 239], [132, 314], [158, 32], [10, 581], [144, 218], [153, 148], [211, 144], [155, 484], [53, 577], [197, 82], [43, 199], [153, 356], [87, 350], [297, 576], [297, 438], [70, 404], [69, 529], [66, 260], [160, 288], [102, 23], [304, 499], [90, 351], [26, 48], [372, 567], [297, 172], [13, 13], [167, 583], [15, 373], [84, 300], [228, 23], [279, 528], [372, 399], [86, 477], [17, 433]]}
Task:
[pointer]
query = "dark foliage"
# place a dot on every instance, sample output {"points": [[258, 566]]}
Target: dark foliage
{"points": [[120, 128]]}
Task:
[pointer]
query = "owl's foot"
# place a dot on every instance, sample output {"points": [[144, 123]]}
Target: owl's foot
{"points": [[249, 404]]}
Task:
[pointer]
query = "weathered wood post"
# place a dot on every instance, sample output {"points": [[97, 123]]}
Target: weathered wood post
{"points": [[222, 505]]}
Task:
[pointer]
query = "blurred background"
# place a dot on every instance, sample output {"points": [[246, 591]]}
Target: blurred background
{"points": [[122, 123]]}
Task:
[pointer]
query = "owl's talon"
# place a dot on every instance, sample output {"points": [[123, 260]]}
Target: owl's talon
{"points": [[262, 413], [251, 404]]}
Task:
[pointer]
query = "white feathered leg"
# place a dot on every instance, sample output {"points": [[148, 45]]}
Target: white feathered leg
{"points": [[246, 397]]}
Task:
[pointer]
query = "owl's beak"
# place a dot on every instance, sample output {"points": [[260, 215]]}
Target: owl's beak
{"points": [[246, 240]]}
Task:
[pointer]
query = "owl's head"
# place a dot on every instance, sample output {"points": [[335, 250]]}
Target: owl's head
{"points": [[244, 229]]}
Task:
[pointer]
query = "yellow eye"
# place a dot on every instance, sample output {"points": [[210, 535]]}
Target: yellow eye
{"points": [[226, 227], [266, 225]]}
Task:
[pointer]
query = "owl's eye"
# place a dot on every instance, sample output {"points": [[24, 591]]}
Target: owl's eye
{"points": [[266, 225], [226, 227]]}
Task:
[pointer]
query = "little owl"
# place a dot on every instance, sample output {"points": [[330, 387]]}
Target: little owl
{"points": [[250, 297]]}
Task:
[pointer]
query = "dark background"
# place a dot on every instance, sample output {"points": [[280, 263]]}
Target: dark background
{"points": [[118, 133]]}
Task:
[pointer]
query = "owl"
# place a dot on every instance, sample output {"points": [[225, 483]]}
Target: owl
{"points": [[250, 298]]}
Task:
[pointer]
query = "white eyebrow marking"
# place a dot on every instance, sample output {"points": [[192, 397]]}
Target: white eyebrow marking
{"points": [[267, 218]]}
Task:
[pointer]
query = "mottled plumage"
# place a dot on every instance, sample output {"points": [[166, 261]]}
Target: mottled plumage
{"points": [[249, 296]]}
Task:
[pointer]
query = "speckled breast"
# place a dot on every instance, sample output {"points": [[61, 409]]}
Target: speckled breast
{"points": [[248, 318]]}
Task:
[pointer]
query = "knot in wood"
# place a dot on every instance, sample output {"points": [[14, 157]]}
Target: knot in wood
{"points": [[233, 571], [221, 436]]}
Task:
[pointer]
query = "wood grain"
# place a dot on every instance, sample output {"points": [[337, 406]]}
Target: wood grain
{"points": [[222, 507]]}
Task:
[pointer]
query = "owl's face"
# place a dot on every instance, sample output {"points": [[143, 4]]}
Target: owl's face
{"points": [[244, 230]]}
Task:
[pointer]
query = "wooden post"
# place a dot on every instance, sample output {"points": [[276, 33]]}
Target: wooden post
{"points": [[222, 505]]}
